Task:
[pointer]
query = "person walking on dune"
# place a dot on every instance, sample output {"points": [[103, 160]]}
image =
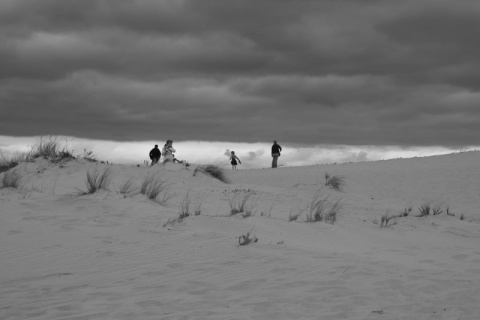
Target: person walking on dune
{"points": [[155, 155], [233, 160], [275, 153]]}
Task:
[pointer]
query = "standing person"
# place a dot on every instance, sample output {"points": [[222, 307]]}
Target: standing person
{"points": [[155, 155], [275, 153], [233, 160], [168, 151]]}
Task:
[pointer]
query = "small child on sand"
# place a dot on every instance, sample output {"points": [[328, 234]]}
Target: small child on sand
{"points": [[233, 160]]}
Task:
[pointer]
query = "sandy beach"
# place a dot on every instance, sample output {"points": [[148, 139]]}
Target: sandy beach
{"points": [[120, 255]]}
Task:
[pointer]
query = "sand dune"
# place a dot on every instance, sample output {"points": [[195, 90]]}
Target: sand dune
{"points": [[108, 255]]}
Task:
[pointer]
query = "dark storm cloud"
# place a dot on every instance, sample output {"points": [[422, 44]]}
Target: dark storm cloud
{"points": [[336, 72]]}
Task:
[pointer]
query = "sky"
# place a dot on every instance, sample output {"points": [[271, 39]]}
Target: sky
{"points": [[370, 76]]}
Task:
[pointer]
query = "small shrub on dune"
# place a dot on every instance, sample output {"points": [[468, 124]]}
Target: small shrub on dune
{"points": [[406, 212], [449, 212], [153, 185], [185, 206], [295, 213], [213, 171], [437, 209], [242, 204], [7, 163], [335, 182], [321, 208], [10, 179], [424, 209], [97, 179], [51, 148], [387, 220], [197, 204], [247, 238], [185, 209], [5, 166], [88, 155], [127, 187], [295, 210]]}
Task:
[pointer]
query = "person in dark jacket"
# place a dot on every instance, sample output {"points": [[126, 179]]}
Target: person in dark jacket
{"points": [[155, 154], [275, 153]]}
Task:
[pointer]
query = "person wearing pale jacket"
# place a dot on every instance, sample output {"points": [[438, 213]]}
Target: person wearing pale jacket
{"points": [[168, 151]]}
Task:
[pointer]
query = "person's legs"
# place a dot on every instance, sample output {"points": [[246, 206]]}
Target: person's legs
{"points": [[274, 161]]}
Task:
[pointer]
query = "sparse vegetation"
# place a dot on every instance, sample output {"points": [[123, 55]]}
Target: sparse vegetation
{"points": [[153, 185], [51, 148], [385, 220], [321, 208], [436, 209], [335, 182], [242, 203], [213, 171], [97, 179], [295, 210], [11, 162], [127, 187], [184, 211], [295, 213], [424, 209], [10, 179], [88, 155], [449, 213], [406, 212], [185, 206], [247, 238], [269, 212]]}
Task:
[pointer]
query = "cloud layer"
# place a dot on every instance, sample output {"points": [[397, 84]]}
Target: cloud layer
{"points": [[346, 72]]}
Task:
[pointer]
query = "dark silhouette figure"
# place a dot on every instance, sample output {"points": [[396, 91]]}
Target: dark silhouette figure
{"points": [[155, 155], [233, 160], [275, 153]]}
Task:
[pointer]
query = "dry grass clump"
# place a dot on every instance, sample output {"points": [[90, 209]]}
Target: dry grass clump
{"points": [[185, 206], [424, 209], [387, 220], [153, 185], [127, 187], [321, 208], [247, 238], [7, 163], [406, 212], [97, 179], [294, 213], [335, 182], [5, 166], [185, 209], [437, 209], [190, 205], [10, 179], [51, 148], [213, 171], [449, 212], [242, 203]]}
